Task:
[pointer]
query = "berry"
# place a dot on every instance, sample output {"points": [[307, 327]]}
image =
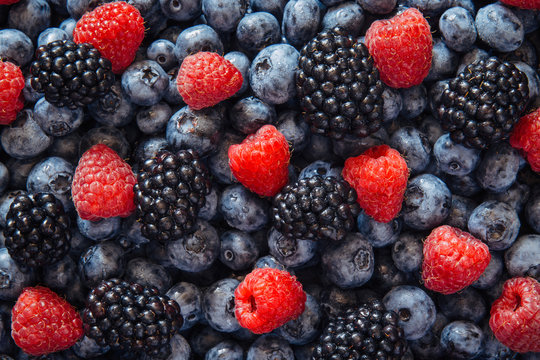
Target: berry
{"points": [[524, 4], [8, 2], [526, 136], [379, 176], [116, 29], [453, 259], [268, 298], [102, 185], [206, 78], [70, 74], [402, 48], [11, 86], [43, 322], [515, 315], [261, 161]]}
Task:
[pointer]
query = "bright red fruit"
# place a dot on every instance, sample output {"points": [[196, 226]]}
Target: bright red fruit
{"points": [[8, 2], [267, 299], [453, 259], [42, 322], [379, 176], [261, 161], [206, 78], [524, 4], [102, 186], [116, 29], [515, 316], [11, 85], [526, 136], [401, 48]]}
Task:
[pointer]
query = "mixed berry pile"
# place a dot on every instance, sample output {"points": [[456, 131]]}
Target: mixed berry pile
{"points": [[269, 179]]}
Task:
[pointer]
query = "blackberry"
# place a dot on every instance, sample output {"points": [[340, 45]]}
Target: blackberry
{"points": [[129, 316], [365, 332], [338, 86], [481, 105], [70, 74], [37, 230], [316, 208], [170, 191]]}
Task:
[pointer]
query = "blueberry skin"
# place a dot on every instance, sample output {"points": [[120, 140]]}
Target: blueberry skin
{"points": [[182, 10], [453, 158], [320, 168], [256, 31], [4, 177], [291, 252], [225, 350], [238, 250], [386, 275], [270, 347], [414, 146], [428, 7], [532, 210], [197, 251], [24, 138], [147, 273], [458, 29], [444, 61], [301, 20], [108, 135], [473, 55], [377, 233], [172, 95], [414, 101], [203, 339], [498, 168], [13, 279], [407, 252], [180, 348], [251, 113], [30, 16], [378, 6], [462, 339], [353, 146], [523, 257], [426, 203], [463, 185], [218, 305], [429, 346], [415, 309], [16, 47], [149, 148], [274, 7], [272, 73], [499, 27], [197, 38], [104, 229], [60, 275], [305, 328], [460, 212], [189, 297], [87, 348], [5, 202], [162, 52], [145, 82], [493, 349], [467, 304], [491, 274], [271, 262], [224, 15], [295, 130], [51, 34], [495, 223], [209, 211], [154, 119], [68, 25], [218, 162], [101, 261], [242, 209], [348, 15], [532, 77], [57, 121], [392, 104], [30, 95], [114, 108], [241, 62], [349, 263]]}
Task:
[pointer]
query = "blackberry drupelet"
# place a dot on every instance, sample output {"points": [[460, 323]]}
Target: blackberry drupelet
{"points": [[316, 208], [338, 86], [171, 189], [70, 74], [483, 103], [126, 315], [37, 230], [365, 332]]}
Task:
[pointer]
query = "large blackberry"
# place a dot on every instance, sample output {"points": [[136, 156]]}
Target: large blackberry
{"points": [[481, 105], [170, 191], [130, 316], [316, 208], [37, 230], [338, 86], [70, 74], [365, 332]]}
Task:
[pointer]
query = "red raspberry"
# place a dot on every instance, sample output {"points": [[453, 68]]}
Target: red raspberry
{"points": [[401, 48], [453, 259], [102, 186], [261, 161], [42, 322], [379, 177], [116, 29], [11, 85], [526, 136], [524, 4], [207, 78], [515, 316], [267, 299], [8, 2]]}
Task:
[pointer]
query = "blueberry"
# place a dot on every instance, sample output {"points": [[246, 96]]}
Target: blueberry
{"points": [[181, 10], [350, 262], [291, 252], [149, 148], [68, 25], [532, 210], [463, 185], [4, 177], [153, 120], [180, 348], [16, 47], [241, 62], [498, 168], [386, 275], [523, 257], [218, 162], [60, 275], [57, 121], [415, 309], [393, 103], [274, 7], [256, 31], [301, 20], [12, 279], [431, 128], [172, 95], [473, 55], [499, 27], [378, 6], [414, 146], [108, 135], [457, 28], [493, 349], [51, 34], [444, 61], [532, 78], [103, 229], [224, 15], [319, 148], [426, 203], [197, 38], [30, 95], [189, 297], [272, 73], [209, 211], [203, 339], [218, 305], [377, 233], [460, 212], [467, 304], [305, 328], [162, 52], [145, 82], [270, 347], [251, 113], [101, 261], [225, 350], [466, 4], [24, 138], [147, 273], [348, 15], [295, 130], [242, 209], [114, 108], [320, 168], [271, 262], [238, 250], [30, 16], [353, 146], [19, 170], [454, 158], [414, 101], [407, 252], [429, 345], [428, 7], [492, 273], [462, 340]]}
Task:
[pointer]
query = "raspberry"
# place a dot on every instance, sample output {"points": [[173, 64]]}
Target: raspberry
{"points": [[43, 322], [526, 136], [453, 259], [8, 2], [267, 299], [524, 4], [116, 29], [261, 161], [11, 85], [402, 48], [379, 177], [103, 185], [206, 78], [515, 316]]}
